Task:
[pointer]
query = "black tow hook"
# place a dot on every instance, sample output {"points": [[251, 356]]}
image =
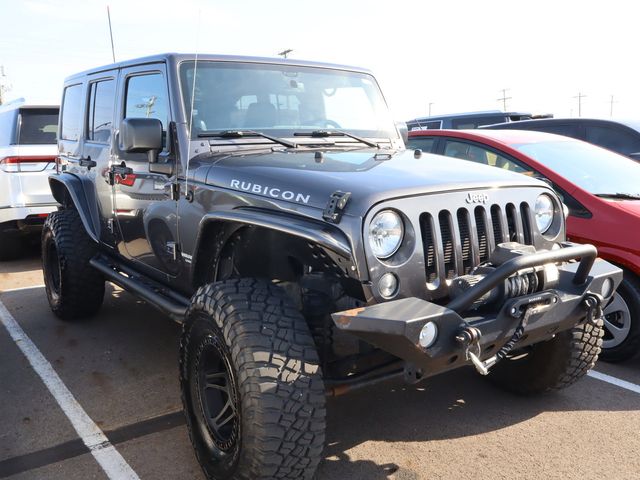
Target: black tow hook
{"points": [[593, 305]]}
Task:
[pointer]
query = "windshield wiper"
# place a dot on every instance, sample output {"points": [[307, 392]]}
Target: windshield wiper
{"points": [[625, 196], [247, 133], [336, 133]]}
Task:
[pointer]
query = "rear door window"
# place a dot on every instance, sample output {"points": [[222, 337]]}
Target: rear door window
{"points": [[38, 126], [72, 113], [101, 101]]}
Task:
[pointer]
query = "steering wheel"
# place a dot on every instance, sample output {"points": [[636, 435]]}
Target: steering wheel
{"points": [[325, 122]]}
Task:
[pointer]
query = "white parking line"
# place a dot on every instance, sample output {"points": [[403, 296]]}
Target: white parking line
{"points": [[113, 464], [20, 289], [614, 381]]}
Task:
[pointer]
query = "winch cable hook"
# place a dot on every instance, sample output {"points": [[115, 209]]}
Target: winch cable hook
{"points": [[469, 337]]}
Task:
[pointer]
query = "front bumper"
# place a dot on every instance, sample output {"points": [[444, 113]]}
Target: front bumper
{"points": [[395, 326]]}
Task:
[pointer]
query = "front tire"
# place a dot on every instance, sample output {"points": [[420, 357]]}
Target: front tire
{"points": [[553, 364], [251, 383], [74, 288], [622, 322]]}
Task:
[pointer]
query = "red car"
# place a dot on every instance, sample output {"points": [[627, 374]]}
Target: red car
{"points": [[601, 190]]}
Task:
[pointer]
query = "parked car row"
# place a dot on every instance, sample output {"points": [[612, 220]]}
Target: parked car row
{"points": [[468, 120]]}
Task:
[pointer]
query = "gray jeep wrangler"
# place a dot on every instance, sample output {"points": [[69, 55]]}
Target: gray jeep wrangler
{"points": [[270, 207]]}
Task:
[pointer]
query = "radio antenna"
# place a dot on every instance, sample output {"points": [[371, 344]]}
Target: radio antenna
{"points": [[193, 96], [113, 51]]}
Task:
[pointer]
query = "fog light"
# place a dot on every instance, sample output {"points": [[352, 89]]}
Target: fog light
{"points": [[607, 288], [428, 335], [388, 285]]}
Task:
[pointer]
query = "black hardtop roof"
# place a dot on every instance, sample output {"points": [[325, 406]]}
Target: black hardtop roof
{"points": [[175, 58]]}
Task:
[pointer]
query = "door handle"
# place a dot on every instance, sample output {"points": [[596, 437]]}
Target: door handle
{"points": [[121, 170], [87, 162]]}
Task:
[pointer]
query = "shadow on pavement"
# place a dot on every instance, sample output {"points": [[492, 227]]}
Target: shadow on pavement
{"points": [[455, 405], [27, 261]]}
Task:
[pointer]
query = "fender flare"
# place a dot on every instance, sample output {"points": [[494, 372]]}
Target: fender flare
{"points": [[329, 238], [69, 188]]}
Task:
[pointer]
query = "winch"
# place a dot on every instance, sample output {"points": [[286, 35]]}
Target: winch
{"points": [[524, 282]]}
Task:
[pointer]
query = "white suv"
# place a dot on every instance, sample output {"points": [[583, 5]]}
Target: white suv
{"points": [[27, 156]]}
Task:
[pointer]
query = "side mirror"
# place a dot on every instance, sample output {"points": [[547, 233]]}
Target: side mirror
{"points": [[142, 135], [403, 130]]}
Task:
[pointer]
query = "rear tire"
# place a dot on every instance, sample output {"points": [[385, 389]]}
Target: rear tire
{"points": [[10, 245], [553, 364], [251, 383], [622, 322], [74, 288]]}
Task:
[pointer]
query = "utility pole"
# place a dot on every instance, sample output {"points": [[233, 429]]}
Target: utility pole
{"points": [[430, 103], [286, 52], [580, 96], [504, 98], [611, 106]]}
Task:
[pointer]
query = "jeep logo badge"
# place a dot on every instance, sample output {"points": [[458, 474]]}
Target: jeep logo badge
{"points": [[477, 198]]}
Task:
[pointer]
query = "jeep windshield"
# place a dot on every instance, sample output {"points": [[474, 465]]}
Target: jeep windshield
{"points": [[283, 101], [595, 169]]}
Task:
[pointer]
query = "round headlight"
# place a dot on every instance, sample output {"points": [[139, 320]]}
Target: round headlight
{"points": [[385, 233], [544, 212]]}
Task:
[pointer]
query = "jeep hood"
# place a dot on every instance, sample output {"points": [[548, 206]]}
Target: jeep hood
{"points": [[370, 175]]}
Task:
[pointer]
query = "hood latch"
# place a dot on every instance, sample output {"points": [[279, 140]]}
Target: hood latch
{"points": [[335, 206]]}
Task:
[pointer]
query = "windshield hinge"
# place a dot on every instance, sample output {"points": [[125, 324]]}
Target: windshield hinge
{"points": [[175, 191], [335, 207]]}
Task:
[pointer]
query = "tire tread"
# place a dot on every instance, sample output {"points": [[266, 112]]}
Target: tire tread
{"points": [[278, 374]]}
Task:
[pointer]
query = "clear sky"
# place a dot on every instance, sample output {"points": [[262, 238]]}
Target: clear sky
{"points": [[456, 54]]}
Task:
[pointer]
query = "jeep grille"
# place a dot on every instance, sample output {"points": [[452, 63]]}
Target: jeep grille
{"points": [[455, 242]]}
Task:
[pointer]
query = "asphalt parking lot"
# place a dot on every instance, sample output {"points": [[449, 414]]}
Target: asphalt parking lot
{"points": [[121, 369]]}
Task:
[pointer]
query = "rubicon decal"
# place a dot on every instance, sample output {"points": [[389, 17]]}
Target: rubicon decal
{"points": [[477, 198], [270, 191]]}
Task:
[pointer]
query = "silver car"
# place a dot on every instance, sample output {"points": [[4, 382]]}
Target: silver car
{"points": [[27, 157]]}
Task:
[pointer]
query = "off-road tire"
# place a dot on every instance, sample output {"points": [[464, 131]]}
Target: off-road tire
{"points": [[553, 364], [75, 290], [272, 373], [10, 246], [629, 290]]}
